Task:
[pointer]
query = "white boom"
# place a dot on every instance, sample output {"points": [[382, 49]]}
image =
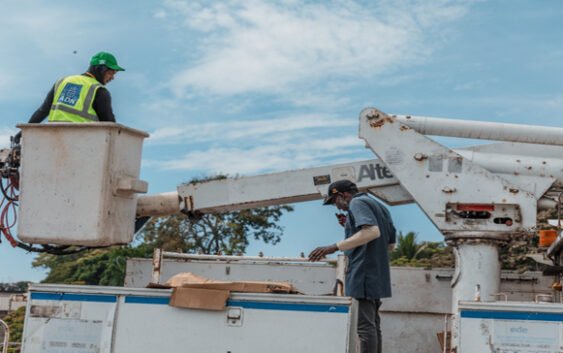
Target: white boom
{"points": [[531, 167], [273, 189], [483, 130]]}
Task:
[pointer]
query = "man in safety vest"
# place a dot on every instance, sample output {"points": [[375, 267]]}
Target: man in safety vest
{"points": [[81, 98]]}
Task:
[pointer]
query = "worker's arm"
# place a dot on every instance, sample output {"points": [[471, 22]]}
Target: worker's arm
{"points": [[102, 105], [43, 111], [363, 236]]}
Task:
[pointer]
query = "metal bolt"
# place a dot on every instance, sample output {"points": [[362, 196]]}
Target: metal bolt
{"points": [[420, 156], [372, 115]]}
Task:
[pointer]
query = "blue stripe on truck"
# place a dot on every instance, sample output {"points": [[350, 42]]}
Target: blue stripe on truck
{"points": [[251, 305], [74, 297], [146, 300], [322, 308], [132, 299], [511, 315]]}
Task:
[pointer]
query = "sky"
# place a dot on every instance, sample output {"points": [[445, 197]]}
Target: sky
{"points": [[251, 87]]}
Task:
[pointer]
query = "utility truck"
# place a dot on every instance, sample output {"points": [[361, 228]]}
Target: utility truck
{"points": [[478, 197]]}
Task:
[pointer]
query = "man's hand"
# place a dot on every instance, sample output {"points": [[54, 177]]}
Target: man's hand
{"points": [[341, 219], [320, 252]]}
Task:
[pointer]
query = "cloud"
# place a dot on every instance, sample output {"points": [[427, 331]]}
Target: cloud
{"points": [[261, 158], [250, 147], [273, 47], [256, 130], [29, 25], [38, 47]]}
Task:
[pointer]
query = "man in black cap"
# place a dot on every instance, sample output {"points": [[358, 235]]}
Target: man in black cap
{"points": [[369, 230]]}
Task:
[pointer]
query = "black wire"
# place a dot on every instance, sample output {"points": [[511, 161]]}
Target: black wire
{"points": [[4, 192], [56, 250]]}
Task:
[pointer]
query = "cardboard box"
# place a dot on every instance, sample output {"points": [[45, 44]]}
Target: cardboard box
{"points": [[196, 292], [244, 287], [188, 279], [199, 298]]}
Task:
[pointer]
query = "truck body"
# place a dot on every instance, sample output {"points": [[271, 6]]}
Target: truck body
{"points": [[93, 319], [478, 197]]}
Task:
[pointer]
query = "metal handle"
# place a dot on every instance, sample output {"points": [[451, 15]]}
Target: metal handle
{"points": [[501, 294], [338, 288], [131, 185], [6, 336], [538, 296], [127, 187]]}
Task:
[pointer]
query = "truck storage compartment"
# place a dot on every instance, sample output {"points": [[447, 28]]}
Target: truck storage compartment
{"points": [[519, 327], [62, 318]]}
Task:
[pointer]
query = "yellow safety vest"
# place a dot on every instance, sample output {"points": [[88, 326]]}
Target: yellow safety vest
{"points": [[73, 98]]}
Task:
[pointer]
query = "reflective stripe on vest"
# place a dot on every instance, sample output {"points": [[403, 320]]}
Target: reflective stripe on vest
{"points": [[73, 98]]}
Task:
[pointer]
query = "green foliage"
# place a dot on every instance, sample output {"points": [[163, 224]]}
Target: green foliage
{"points": [[409, 252], [15, 323], [226, 233], [407, 246], [20, 287], [513, 254], [93, 267], [215, 233]]}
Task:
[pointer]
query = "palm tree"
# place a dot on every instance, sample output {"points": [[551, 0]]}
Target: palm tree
{"points": [[409, 252], [407, 247]]}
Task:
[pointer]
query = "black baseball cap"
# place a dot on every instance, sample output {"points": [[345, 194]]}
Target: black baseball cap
{"points": [[337, 187]]}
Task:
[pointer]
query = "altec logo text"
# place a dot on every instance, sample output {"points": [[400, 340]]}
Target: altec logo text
{"points": [[374, 171]]}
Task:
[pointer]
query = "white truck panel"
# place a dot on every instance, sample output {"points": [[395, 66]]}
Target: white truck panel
{"points": [[410, 319], [511, 327], [308, 278], [89, 319], [58, 322]]}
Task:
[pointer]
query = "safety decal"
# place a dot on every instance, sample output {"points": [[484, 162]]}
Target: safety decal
{"points": [[70, 94]]}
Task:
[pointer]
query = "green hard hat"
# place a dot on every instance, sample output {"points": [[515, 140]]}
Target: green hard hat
{"points": [[107, 59]]}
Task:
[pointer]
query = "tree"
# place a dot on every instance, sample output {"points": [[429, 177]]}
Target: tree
{"points": [[409, 252], [15, 320], [407, 246], [215, 233], [93, 267], [20, 286], [513, 254]]}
